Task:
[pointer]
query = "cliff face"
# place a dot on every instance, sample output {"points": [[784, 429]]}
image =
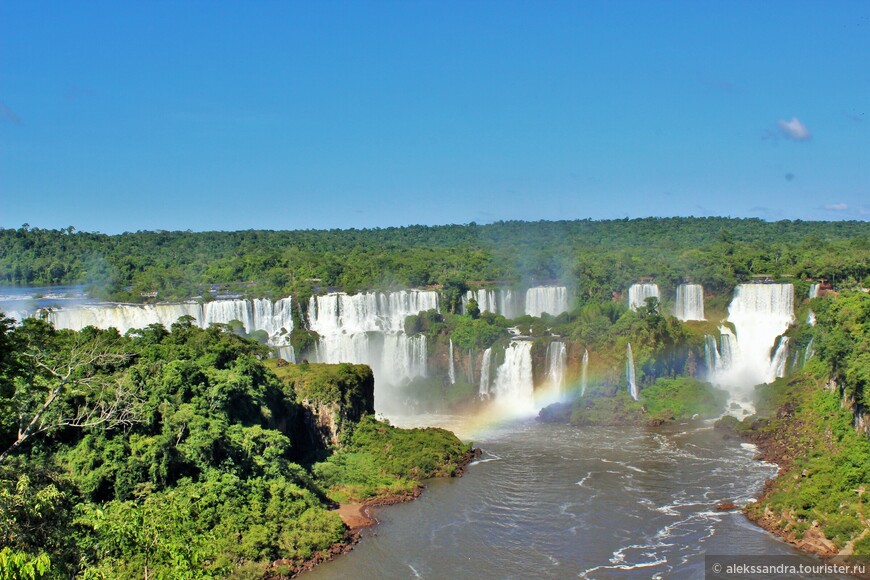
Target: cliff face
{"points": [[848, 402], [816, 500], [331, 398]]}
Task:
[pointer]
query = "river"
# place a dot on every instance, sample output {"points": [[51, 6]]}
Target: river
{"points": [[554, 501]]}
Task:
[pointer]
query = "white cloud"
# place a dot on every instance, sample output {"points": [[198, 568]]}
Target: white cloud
{"points": [[794, 130], [836, 206]]}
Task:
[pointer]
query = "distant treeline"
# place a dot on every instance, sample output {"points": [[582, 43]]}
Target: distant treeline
{"points": [[595, 257]]}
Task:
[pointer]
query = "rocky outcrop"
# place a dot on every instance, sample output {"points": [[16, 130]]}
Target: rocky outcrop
{"points": [[861, 415], [330, 398]]}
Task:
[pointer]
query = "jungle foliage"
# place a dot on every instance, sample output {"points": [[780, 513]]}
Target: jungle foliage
{"points": [[201, 477]]}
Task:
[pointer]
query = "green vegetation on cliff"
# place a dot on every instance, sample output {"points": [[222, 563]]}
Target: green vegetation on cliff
{"points": [[382, 460], [180, 453]]}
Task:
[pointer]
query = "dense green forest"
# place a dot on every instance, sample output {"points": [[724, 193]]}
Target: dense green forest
{"points": [[598, 257], [181, 453]]}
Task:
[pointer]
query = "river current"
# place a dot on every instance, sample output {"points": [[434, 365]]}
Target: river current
{"points": [[554, 501]]}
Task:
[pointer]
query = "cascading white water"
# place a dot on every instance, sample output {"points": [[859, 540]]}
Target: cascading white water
{"points": [[225, 311], [340, 313], [404, 358], [727, 346], [451, 369], [550, 299], [690, 302], [810, 350], [718, 356], [514, 387], [485, 367], [638, 293], [539, 299], [124, 317], [759, 313], [629, 372], [287, 353], [780, 357], [584, 365], [486, 300], [18, 315], [368, 328], [711, 355], [274, 318], [813, 293], [557, 359], [507, 304]]}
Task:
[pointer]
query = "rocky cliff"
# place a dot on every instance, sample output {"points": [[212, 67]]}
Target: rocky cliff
{"points": [[331, 398]]}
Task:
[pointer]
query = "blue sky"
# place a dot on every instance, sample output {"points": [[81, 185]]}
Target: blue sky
{"points": [[285, 115]]}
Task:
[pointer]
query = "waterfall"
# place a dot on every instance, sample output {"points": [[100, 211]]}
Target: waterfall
{"points": [[363, 328], [502, 301], [727, 346], [690, 302], [451, 369], [507, 304], [513, 386], [778, 363], [759, 313], [583, 368], [813, 293], [557, 358], [485, 299], [629, 372], [810, 350], [225, 311], [404, 358], [711, 356], [718, 356], [124, 316], [274, 318], [550, 299], [287, 353], [368, 328], [638, 293], [485, 367]]}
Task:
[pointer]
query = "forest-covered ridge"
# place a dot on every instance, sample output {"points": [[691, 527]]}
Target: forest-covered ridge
{"points": [[597, 256], [180, 453]]}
